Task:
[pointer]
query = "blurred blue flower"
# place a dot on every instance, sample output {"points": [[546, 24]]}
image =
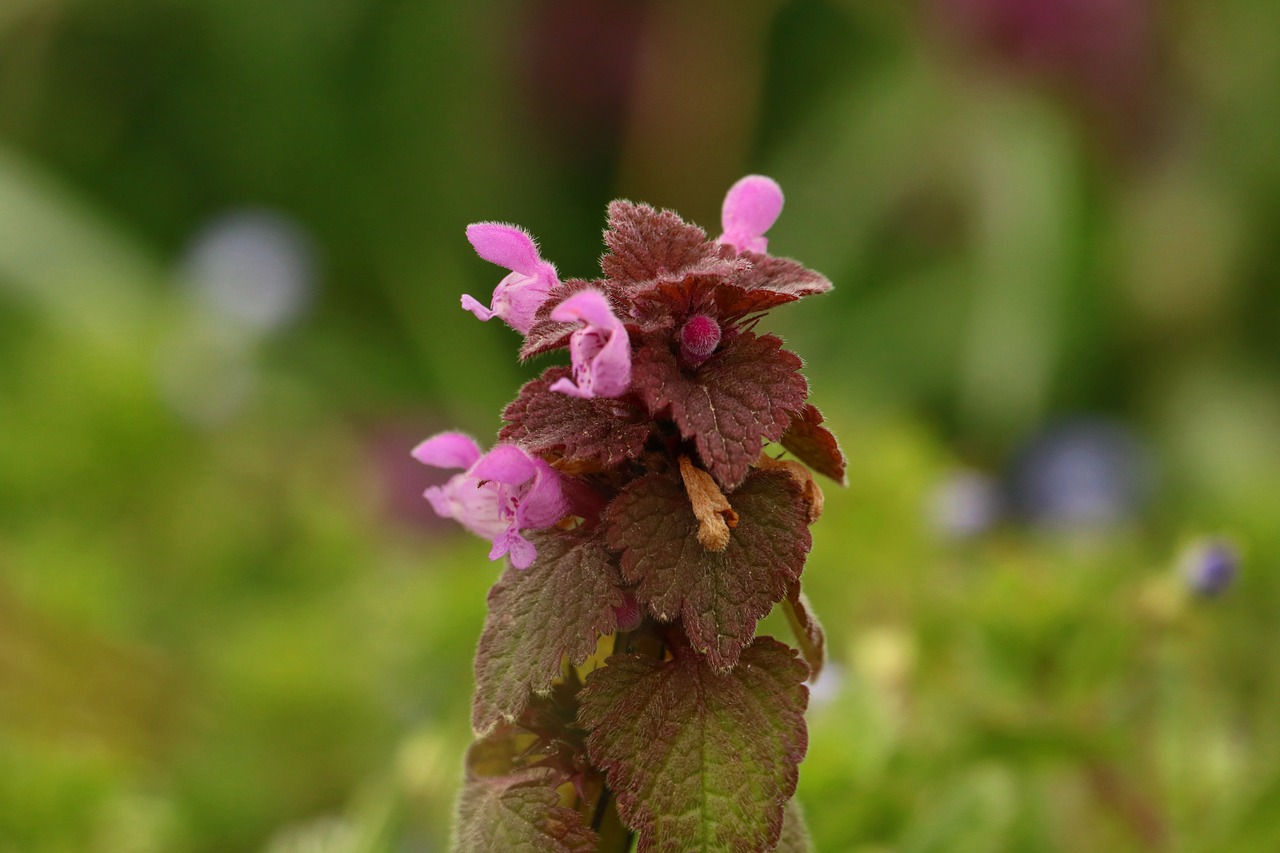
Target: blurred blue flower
{"points": [[248, 272], [253, 267], [828, 686], [1210, 566], [1081, 474], [966, 503]]}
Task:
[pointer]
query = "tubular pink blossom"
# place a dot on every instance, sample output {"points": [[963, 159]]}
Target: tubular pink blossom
{"points": [[518, 296], [467, 502], [600, 351], [501, 493], [750, 208]]}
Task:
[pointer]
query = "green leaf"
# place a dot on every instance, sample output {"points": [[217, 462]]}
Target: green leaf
{"points": [[519, 813], [599, 433], [795, 833], [814, 445], [700, 760], [720, 595], [745, 394], [558, 606]]}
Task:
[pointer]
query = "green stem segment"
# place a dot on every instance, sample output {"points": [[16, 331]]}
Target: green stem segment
{"points": [[614, 835]]}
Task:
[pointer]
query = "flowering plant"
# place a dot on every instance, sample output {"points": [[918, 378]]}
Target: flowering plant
{"points": [[621, 690]]}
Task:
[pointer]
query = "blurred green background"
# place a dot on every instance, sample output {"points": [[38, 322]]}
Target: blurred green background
{"points": [[231, 248]]}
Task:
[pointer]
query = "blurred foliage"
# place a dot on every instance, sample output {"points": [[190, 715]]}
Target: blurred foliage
{"points": [[227, 621]]}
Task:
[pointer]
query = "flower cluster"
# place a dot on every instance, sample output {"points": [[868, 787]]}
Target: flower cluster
{"points": [[633, 496], [507, 490]]}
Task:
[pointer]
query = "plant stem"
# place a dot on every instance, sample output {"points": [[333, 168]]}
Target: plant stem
{"points": [[614, 836]]}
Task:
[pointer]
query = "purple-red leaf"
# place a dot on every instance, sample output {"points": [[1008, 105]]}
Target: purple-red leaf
{"points": [[782, 276], [521, 813], [719, 595], [599, 432], [808, 631], [558, 606], [647, 245], [736, 288], [744, 395], [700, 760], [814, 445], [755, 284]]}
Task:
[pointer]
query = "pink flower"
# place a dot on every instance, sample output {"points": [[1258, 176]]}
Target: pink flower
{"points": [[750, 208], [518, 296], [498, 495], [600, 350]]}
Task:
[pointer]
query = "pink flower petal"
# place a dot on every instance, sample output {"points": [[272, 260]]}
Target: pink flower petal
{"points": [[600, 350], [545, 502], [611, 369], [473, 506], [506, 464], [448, 450], [522, 551], [750, 208], [501, 492], [565, 386], [518, 297], [470, 304], [505, 245], [589, 306]]}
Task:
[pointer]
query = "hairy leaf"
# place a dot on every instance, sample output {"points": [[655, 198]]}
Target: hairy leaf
{"points": [[795, 832], [781, 276], [558, 606], [814, 445], [600, 432], [745, 285], [805, 626], [700, 760], [738, 287], [745, 394], [660, 304], [720, 595], [519, 813], [647, 245]]}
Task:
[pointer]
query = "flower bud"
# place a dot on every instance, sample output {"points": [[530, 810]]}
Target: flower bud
{"points": [[699, 339]]}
